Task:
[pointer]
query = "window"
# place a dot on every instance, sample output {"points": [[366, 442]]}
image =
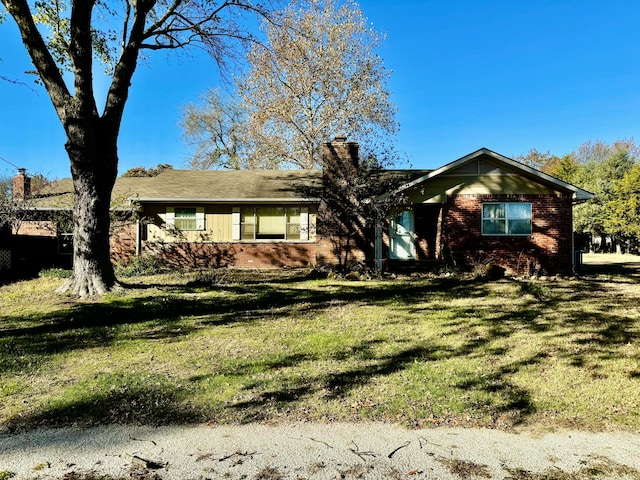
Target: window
{"points": [[506, 218], [272, 223], [65, 244], [185, 218]]}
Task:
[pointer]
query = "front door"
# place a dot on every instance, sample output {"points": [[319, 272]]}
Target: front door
{"points": [[401, 236]]}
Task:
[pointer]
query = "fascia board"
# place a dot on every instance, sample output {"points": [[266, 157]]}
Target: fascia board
{"points": [[223, 200]]}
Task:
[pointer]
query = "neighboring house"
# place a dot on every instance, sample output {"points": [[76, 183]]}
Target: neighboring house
{"points": [[483, 207]]}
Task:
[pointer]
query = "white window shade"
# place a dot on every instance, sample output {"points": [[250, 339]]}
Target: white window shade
{"points": [[270, 221], [185, 218]]}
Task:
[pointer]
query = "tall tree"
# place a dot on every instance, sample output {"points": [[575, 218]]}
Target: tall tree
{"points": [[69, 34], [625, 207], [599, 151], [217, 132], [600, 167], [317, 76], [535, 159], [565, 168]]}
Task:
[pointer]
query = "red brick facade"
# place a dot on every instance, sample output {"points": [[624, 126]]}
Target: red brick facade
{"points": [[21, 186], [547, 250], [123, 243], [331, 252], [38, 228], [236, 254]]}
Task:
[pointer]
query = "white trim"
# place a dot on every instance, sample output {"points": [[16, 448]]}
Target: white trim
{"points": [[304, 223], [138, 237], [378, 247], [200, 218], [235, 223], [170, 217], [261, 200]]}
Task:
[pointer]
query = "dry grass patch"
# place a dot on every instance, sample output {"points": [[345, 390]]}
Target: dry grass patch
{"points": [[465, 469], [598, 468]]}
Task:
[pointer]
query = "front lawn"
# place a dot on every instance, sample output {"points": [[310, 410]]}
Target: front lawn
{"points": [[419, 351]]}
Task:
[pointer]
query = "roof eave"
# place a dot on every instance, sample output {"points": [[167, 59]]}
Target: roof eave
{"points": [[226, 200]]}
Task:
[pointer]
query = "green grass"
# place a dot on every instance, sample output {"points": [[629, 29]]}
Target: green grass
{"points": [[419, 351]]}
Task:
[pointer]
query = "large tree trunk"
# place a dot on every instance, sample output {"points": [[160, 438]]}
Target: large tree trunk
{"points": [[94, 169], [91, 138]]}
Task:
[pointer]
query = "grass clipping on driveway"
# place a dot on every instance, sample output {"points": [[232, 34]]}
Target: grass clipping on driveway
{"points": [[419, 351]]}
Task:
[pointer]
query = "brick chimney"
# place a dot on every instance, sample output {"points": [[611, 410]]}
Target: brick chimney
{"points": [[340, 159], [21, 185]]}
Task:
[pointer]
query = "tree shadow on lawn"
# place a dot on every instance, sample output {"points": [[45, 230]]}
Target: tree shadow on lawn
{"points": [[129, 398], [330, 385], [86, 325], [171, 315], [508, 399], [618, 272], [89, 325]]}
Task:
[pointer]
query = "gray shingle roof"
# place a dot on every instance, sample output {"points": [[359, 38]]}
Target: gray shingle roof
{"points": [[199, 185]]}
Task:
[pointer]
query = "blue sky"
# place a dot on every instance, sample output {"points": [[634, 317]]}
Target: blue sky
{"points": [[509, 75]]}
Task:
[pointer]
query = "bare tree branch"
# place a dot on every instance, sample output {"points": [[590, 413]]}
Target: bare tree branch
{"points": [[46, 66]]}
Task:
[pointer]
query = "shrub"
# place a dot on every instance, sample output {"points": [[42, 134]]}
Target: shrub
{"points": [[56, 273], [213, 277], [140, 266]]}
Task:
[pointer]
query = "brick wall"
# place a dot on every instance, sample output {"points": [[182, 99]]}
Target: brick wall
{"points": [[123, 244], [36, 228], [238, 255], [331, 252], [21, 186], [548, 250]]}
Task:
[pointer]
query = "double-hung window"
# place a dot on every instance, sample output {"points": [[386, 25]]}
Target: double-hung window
{"points": [[186, 218], [506, 218]]}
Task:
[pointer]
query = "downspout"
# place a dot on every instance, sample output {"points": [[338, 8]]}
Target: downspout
{"points": [[573, 246], [574, 268], [439, 253], [378, 247], [138, 238]]}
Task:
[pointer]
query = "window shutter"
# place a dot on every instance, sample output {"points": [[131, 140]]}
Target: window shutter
{"points": [[304, 223], [170, 219], [235, 223], [199, 218]]}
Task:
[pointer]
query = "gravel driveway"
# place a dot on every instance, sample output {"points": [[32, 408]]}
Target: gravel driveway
{"points": [[315, 451]]}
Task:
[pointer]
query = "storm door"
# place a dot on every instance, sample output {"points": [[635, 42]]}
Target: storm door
{"points": [[402, 236]]}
